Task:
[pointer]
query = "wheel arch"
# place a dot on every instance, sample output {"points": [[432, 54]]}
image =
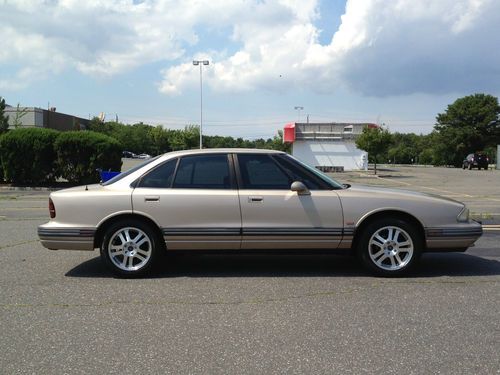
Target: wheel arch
{"points": [[384, 214], [101, 229]]}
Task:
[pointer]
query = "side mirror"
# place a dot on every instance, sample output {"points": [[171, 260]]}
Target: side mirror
{"points": [[300, 188]]}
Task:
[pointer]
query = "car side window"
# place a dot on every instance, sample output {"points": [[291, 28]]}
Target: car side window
{"points": [[299, 173], [160, 177], [260, 171], [203, 172]]}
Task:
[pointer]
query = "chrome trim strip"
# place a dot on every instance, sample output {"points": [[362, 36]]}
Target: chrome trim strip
{"points": [[336, 232], [201, 231], [453, 232], [62, 232]]}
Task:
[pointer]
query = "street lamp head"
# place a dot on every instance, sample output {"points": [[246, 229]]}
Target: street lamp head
{"points": [[205, 62], [299, 107], [196, 62]]}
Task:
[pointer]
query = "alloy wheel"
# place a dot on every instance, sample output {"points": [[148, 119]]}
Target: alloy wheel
{"points": [[130, 249], [390, 248]]}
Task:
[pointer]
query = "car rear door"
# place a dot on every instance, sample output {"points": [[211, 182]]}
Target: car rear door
{"points": [[273, 216], [195, 201]]}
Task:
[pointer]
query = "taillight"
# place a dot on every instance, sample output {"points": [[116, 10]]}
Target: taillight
{"points": [[52, 209]]}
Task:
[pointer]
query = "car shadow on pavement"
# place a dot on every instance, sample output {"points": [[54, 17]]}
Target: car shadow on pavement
{"points": [[262, 265]]}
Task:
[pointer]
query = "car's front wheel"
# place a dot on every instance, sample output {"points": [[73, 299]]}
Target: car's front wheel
{"points": [[389, 247], [129, 248]]}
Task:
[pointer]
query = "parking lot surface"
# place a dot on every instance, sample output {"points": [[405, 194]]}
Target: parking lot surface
{"points": [[61, 311]]}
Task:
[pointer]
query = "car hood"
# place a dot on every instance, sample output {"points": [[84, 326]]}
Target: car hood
{"points": [[385, 192]]}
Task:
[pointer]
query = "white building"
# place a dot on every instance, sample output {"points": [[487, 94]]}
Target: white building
{"points": [[328, 146]]}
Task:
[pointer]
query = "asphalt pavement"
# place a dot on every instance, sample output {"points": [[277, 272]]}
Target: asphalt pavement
{"points": [[61, 311]]}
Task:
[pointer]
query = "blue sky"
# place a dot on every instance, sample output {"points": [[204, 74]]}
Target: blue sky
{"points": [[393, 62]]}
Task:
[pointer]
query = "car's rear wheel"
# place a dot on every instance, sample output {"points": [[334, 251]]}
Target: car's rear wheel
{"points": [[389, 247], [129, 248]]}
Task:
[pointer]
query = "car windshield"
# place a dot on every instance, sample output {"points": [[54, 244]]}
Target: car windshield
{"points": [[131, 170], [317, 172]]}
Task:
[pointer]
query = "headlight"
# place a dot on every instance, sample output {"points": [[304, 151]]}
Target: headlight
{"points": [[463, 217]]}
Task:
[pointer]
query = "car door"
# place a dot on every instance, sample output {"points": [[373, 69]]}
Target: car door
{"points": [[273, 216], [195, 201]]}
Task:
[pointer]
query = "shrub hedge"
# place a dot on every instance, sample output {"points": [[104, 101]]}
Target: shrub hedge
{"points": [[81, 153], [27, 155], [34, 156]]}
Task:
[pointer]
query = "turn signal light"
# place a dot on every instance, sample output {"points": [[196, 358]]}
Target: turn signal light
{"points": [[52, 209]]}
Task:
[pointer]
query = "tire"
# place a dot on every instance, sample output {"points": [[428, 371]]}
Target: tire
{"points": [[389, 247], [130, 248]]}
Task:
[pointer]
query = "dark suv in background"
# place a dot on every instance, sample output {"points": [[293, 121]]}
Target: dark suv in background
{"points": [[477, 160]]}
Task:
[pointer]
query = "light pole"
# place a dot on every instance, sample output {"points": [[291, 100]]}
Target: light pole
{"points": [[201, 63], [299, 108]]}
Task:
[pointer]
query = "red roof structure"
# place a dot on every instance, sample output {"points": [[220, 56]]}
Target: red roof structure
{"points": [[289, 133]]}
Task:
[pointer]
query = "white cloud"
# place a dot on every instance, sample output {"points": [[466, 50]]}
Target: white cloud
{"points": [[381, 47]]}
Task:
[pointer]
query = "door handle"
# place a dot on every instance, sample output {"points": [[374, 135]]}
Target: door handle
{"points": [[151, 199], [255, 199]]}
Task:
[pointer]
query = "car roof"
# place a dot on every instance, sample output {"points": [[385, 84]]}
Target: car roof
{"points": [[224, 150]]}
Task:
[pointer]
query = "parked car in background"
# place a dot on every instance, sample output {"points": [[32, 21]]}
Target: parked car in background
{"points": [[128, 154], [143, 156], [245, 200], [477, 160]]}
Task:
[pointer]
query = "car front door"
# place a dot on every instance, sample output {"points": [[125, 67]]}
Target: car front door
{"points": [[274, 216], [194, 200]]}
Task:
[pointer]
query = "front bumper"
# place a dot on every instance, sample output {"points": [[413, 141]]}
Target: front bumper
{"points": [[59, 238], [453, 238]]}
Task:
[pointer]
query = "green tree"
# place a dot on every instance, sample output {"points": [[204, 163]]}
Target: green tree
{"points": [[376, 141], [161, 143], [20, 113], [466, 126], [4, 120]]}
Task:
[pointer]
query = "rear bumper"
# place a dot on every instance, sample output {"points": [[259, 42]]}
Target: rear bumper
{"points": [[455, 238], [55, 238]]}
